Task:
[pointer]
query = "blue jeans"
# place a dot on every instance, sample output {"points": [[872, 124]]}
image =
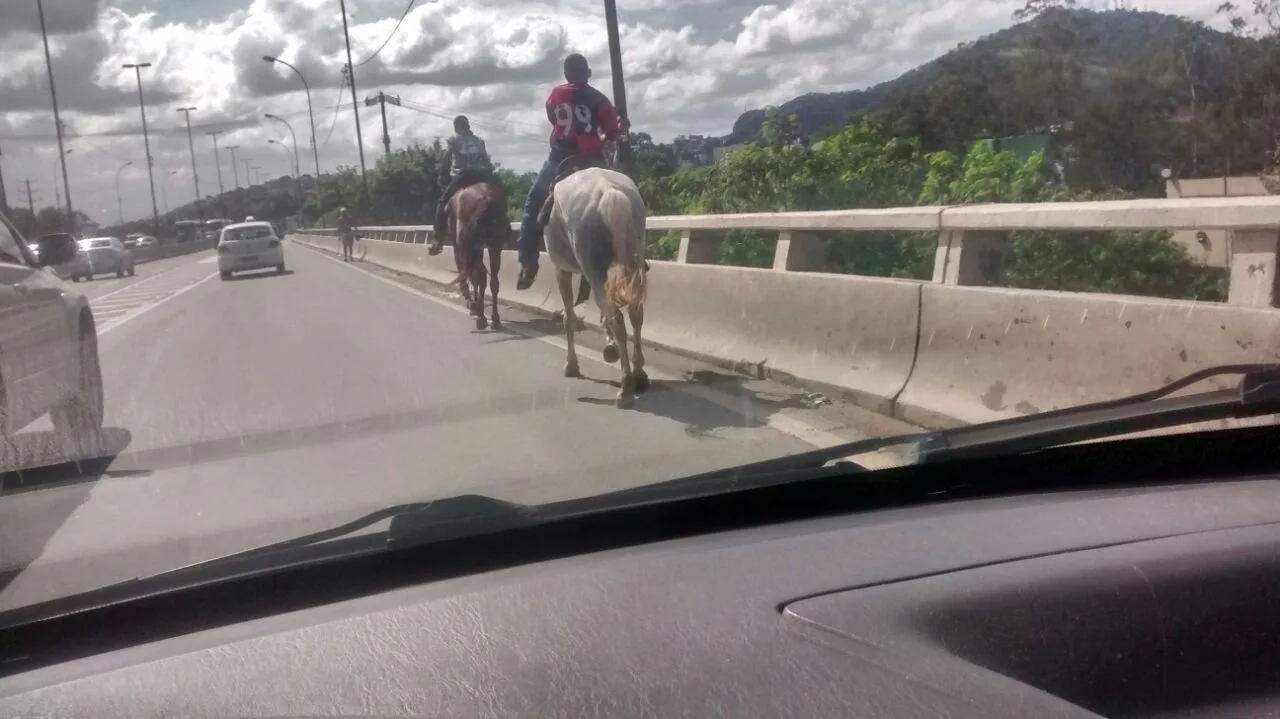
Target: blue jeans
{"points": [[530, 233]]}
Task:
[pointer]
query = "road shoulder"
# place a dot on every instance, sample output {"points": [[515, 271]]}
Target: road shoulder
{"points": [[790, 409]]}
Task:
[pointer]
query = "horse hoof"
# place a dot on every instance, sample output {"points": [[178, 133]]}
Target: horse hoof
{"points": [[497, 323], [610, 353], [641, 381], [571, 370], [481, 323], [624, 401]]}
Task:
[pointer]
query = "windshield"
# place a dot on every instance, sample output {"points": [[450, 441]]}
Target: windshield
{"points": [[253, 232], [828, 223]]}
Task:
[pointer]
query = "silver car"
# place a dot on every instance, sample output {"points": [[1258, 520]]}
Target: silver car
{"points": [[73, 269], [107, 254], [49, 363]]}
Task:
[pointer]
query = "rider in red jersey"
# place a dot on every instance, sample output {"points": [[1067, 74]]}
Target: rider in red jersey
{"points": [[581, 119]]}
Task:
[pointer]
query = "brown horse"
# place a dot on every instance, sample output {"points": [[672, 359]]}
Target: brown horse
{"points": [[477, 219]]}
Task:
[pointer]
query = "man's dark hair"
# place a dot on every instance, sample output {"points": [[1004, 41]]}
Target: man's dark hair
{"points": [[576, 69], [461, 124]]}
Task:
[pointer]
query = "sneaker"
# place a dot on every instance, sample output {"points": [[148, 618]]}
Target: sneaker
{"points": [[527, 274]]}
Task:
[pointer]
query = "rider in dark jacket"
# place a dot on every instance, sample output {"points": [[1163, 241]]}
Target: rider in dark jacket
{"points": [[579, 114], [467, 162]]}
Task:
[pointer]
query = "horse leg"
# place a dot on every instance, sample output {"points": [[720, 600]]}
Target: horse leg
{"points": [[610, 351], [637, 362], [564, 280], [478, 281], [495, 263], [627, 392]]}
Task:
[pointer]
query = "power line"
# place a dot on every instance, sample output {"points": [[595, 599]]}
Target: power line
{"points": [[491, 126], [403, 15], [336, 106], [491, 119]]}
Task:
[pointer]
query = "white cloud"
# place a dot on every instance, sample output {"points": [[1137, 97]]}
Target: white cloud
{"points": [[693, 66]]}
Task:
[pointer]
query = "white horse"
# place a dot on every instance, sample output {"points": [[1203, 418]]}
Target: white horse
{"points": [[596, 229]]}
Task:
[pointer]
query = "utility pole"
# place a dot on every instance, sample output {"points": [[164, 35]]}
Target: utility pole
{"points": [[382, 99], [247, 177], [53, 95], [4, 198], [57, 191], [146, 143], [235, 175], [619, 84], [195, 176], [355, 104]]}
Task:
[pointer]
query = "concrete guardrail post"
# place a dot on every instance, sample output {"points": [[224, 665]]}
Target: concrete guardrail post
{"points": [[1253, 268], [799, 252], [969, 257], [699, 247]]}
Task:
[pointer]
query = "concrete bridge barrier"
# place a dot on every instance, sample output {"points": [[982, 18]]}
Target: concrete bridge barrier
{"points": [[935, 353]]}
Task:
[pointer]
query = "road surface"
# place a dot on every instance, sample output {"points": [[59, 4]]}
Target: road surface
{"points": [[265, 407]]}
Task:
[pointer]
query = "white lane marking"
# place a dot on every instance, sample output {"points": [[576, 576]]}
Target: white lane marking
{"points": [[142, 282], [150, 303], [789, 425], [208, 260]]}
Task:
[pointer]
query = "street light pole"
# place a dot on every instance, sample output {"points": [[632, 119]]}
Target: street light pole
{"points": [[315, 150], [146, 143], [296, 171], [217, 159], [235, 174], [195, 176], [293, 160], [355, 105], [119, 200]]}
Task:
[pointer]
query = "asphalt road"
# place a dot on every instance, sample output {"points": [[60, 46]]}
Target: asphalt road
{"points": [[269, 406]]}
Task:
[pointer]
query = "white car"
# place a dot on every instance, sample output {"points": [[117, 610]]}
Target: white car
{"points": [[249, 246], [106, 254], [49, 363]]}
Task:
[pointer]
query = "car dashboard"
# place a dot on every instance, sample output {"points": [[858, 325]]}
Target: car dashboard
{"points": [[1128, 602]]}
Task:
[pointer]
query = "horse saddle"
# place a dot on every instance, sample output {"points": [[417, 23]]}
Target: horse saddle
{"points": [[568, 166]]}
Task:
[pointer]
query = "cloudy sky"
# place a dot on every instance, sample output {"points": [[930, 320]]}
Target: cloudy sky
{"points": [[692, 67]]}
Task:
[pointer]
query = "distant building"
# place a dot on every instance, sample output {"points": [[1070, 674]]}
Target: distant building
{"points": [[695, 150]]}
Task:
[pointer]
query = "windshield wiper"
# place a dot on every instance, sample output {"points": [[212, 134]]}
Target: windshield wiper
{"points": [[410, 525], [1257, 394]]}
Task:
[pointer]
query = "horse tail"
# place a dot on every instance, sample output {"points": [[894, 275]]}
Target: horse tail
{"points": [[624, 284]]}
